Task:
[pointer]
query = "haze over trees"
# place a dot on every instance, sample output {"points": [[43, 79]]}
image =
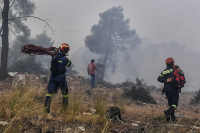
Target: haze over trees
{"points": [[44, 41], [15, 53], [112, 35], [29, 65]]}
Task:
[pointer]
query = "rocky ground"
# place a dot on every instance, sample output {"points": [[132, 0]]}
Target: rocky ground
{"points": [[87, 109]]}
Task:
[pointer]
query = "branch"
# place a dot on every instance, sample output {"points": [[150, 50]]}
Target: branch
{"points": [[12, 4], [13, 33], [33, 17]]}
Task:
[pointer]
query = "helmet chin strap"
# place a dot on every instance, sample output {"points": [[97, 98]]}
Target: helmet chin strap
{"points": [[66, 53]]}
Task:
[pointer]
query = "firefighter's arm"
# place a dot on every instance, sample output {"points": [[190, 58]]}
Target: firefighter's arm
{"points": [[95, 67], [68, 62], [161, 78]]}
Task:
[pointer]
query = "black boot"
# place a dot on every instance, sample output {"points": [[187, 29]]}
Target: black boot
{"points": [[168, 112], [47, 104], [167, 116], [173, 116]]}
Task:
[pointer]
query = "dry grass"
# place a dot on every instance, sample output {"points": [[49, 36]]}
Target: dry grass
{"points": [[118, 100], [19, 105], [25, 104], [23, 109]]}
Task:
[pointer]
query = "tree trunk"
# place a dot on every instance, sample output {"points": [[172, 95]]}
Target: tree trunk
{"points": [[5, 44]]}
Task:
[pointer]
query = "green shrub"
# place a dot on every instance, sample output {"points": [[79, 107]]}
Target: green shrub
{"points": [[139, 93]]}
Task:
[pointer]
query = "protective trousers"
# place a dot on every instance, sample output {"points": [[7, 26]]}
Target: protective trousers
{"points": [[54, 84], [172, 97]]}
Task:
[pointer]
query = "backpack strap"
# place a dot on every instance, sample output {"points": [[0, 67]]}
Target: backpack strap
{"points": [[176, 67]]}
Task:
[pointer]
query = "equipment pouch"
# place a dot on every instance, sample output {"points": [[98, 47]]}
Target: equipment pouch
{"points": [[163, 91]]}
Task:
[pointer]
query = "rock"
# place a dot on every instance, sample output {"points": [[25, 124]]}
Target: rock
{"points": [[118, 89], [79, 129], [133, 124], [12, 74], [87, 113], [18, 80], [93, 111], [3, 123], [79, 76], [43, 78], [69, 78], [68, 130], [138, 121], [180, 115]]}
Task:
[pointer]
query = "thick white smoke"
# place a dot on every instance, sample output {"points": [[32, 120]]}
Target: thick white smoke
{"points": [[147, 62]]}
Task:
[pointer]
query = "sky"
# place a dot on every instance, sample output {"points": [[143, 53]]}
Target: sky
{"points": [[158, 23], [158, 20]]}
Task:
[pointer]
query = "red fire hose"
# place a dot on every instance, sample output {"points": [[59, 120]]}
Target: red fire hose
{"points": [[38, 50]]}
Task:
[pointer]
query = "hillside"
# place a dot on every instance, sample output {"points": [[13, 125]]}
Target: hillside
{"points": [[22, 108]]}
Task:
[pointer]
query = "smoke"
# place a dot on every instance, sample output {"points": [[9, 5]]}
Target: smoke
{"points": [[81, 58], [146, 62]]}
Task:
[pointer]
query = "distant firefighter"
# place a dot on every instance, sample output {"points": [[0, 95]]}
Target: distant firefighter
{"points": [[58, 77], [91, 71], [173, 79]]}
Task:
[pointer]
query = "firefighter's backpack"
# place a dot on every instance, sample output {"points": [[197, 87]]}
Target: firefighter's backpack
{"points": [[179, 76], [54, 63]]}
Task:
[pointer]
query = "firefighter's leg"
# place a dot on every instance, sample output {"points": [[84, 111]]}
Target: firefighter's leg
{"points": [[167, 114], [64, 89], [169, 99], [65, 100], [173, 118], [93, 80], [49, 96], [48, 102], [175, 98]]}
